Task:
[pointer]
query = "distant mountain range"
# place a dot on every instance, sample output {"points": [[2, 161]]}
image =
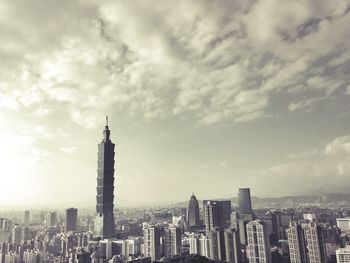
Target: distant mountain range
{"points": [[314, 198]]}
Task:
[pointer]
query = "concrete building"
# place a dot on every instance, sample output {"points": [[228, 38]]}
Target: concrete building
{"points": [[216, 214], [71, 219], [258, 248], [232, 246], [343, 255], [244, 201], [172, 245], [151, 242], [297, 243]]}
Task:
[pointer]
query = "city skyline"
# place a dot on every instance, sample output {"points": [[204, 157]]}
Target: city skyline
{"points": [[224, 97]]}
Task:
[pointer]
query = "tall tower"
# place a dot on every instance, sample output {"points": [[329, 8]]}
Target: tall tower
{"points": [[104, 223], [193, 212], [244, 201]]}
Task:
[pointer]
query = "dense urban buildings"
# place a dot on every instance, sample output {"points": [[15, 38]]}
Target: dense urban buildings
{"points": [[231, 230], [104, 222]]}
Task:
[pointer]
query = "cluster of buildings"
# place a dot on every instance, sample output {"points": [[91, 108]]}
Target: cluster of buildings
{"points": [[216, 229]]}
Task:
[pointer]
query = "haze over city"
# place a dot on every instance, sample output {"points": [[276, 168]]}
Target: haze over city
{"points": [[202, 96]]}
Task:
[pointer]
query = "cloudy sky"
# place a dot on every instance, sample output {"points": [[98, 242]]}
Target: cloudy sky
{"points": [[203, 96]]}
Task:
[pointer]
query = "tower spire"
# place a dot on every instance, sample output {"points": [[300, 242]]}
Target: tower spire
{"points": [[107, 120]]}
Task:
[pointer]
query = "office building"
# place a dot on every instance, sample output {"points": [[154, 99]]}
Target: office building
{"points": [[204, 246], [193, 241], [343, 255], [71, 219], [193, 212], [172, 241], [216, 214], [244, 201], [151, 241], [258, 248], [52, 219], [232, 246], [217, 244], [104, 222]]}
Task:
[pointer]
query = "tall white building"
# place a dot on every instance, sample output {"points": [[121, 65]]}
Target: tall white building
{"points": [[314, 235], [204, 246], [343, 255], [258, 248], [297, 243], [306, 243], [193, 241]]}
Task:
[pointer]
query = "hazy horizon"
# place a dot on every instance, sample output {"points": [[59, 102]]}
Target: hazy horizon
{"points": [[202, 96]]}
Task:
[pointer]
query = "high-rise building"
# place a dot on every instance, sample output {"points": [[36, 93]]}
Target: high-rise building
{"points": [[193, 212], [232, 246], [193, 241], [16, 234], [151, 241], [258, 248], [244, 201], [104, 223], [343, 255], [216, 214], [71, 219], [204, 246], [297, 243], [306, 243], [52, 219], [217, 244], [26, 218], [314, 235], [172, 245]]}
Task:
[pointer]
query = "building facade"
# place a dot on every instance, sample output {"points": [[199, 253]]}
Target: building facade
{"points": [[104, 222]]}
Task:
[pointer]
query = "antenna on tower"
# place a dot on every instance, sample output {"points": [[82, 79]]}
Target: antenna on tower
{"points": [[106, 120]]}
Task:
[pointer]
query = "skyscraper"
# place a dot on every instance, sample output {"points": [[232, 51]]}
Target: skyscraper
{"points": [[51, 219], [172, 240], [151, 239], [314, 235], [71, 219], [193, 212], [244, 201], [306, 243], [297, 243], [216, 214], [104, 223], [258, 249], [217, 244], [232, 246]]}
